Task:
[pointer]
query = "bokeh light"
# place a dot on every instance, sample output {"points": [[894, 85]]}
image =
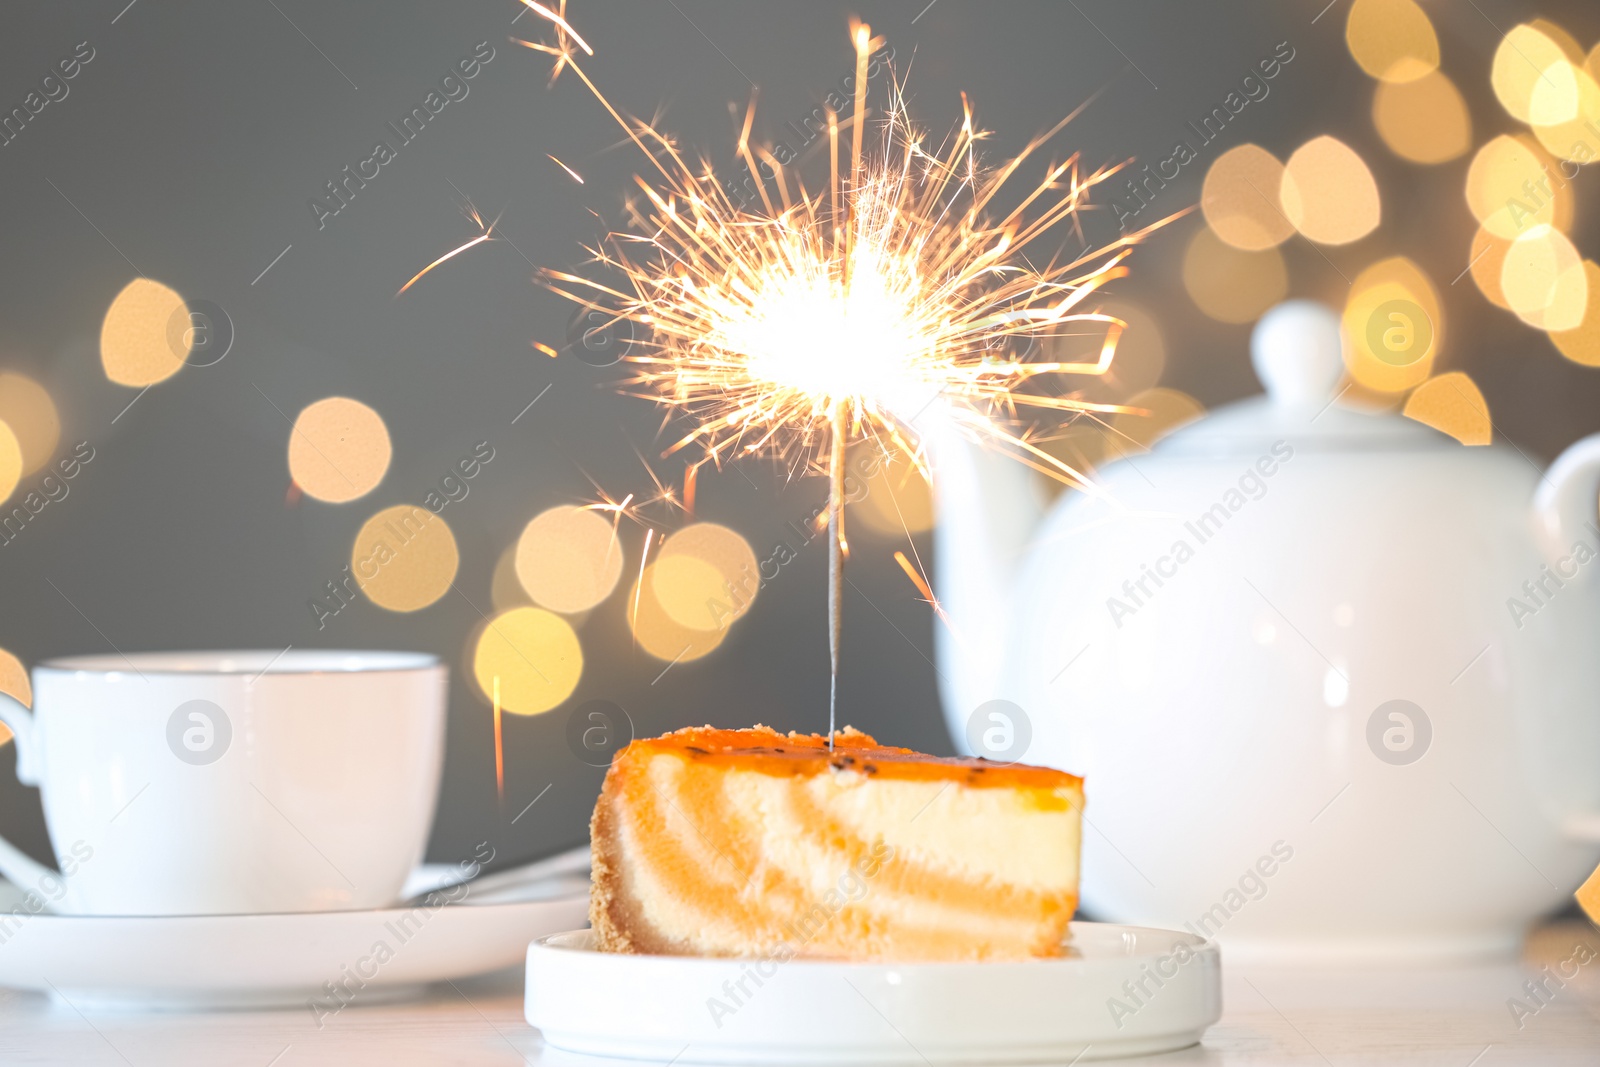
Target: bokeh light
{"points": [[1487, 258], [1328, 192], [339, 450], [10, 461], [135, 346], [1230, 284], [27, 409], [15, 684], [1563, 40], [1521, 62], [1556, 95], [569, 558], [1240, 199], [1392, 39], [898, 499], [536, 656], [1162, 411], [658, 634], [1141, 352], [1424, 121], [1393, 326], [1568, 100], [690, 591], [1581, 344], [1082, 445], [1508, 190], [1141, 357], [1544, 280], [1452, 404], [705, 577], [505, 587], [404, 558]]}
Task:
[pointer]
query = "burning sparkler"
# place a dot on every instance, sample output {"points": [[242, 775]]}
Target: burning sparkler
{"points": [[850, 309]]}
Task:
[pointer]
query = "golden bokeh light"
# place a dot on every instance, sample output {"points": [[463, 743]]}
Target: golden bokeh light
{"points": [[1392, 39], [10, 461], [1571, 92], [1161, 411], [898, 499], [1487, 258], [1563, 40], [1328, 192], [505, 588], [27, 409], [1393, 326], [1230, 284], [705, 577], [1544, 280], [1521, 62], [1141, 356], [1082, 445], [1240, 199], [569, 558], [1452, 404], [1555, 96], [1141, 352], [15, 684], [534, 654], [1424, 121], [658, 634], [1509, 191], [339, 450], [135, 344], [691, 592], [404, 558], [1581, 344]]}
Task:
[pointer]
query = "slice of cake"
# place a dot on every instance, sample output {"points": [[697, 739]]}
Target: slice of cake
{"points": [[753, 843]]}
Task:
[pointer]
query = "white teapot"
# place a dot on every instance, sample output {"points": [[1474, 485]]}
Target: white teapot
{"points": [[1333, 679]]}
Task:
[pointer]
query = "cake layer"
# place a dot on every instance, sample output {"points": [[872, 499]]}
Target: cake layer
{"points": [[751, 842]]}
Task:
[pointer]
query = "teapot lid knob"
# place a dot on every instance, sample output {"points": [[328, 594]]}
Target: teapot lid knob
{"points": [[1297, 354]]}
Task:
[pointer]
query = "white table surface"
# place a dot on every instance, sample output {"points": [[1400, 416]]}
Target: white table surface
{"points": [[1456, 1017]]}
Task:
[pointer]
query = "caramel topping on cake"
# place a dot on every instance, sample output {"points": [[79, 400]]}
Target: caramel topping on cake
{"points": [[752, 842], [766, 751]]}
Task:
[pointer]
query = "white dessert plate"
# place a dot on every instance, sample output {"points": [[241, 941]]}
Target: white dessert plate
{"points": [[190, 962], [1117, 991]]}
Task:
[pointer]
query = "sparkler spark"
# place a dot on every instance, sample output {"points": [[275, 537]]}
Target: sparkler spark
{"points": [[636, 507], [486, 235], [920, 582], [575, 175], [499, 747], [849, 310], [638, 586]]}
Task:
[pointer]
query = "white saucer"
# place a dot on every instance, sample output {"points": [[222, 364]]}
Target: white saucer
{"points": [[254, 961], [690, 1010]]}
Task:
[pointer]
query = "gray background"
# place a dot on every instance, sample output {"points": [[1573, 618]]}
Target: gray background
{"points": [[191, 144]]}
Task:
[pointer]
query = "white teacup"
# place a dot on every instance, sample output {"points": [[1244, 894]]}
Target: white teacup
{"points": [[187, 783]]}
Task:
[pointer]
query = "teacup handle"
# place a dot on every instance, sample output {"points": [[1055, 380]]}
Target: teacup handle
{"points": [[20, 869]]}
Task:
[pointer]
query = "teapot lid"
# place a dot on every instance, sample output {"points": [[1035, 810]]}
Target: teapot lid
{"points": [[1296, 351]]}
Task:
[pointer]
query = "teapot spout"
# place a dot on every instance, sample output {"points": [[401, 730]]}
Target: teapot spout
{"points": [[987, 507], [1566, 501]]}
